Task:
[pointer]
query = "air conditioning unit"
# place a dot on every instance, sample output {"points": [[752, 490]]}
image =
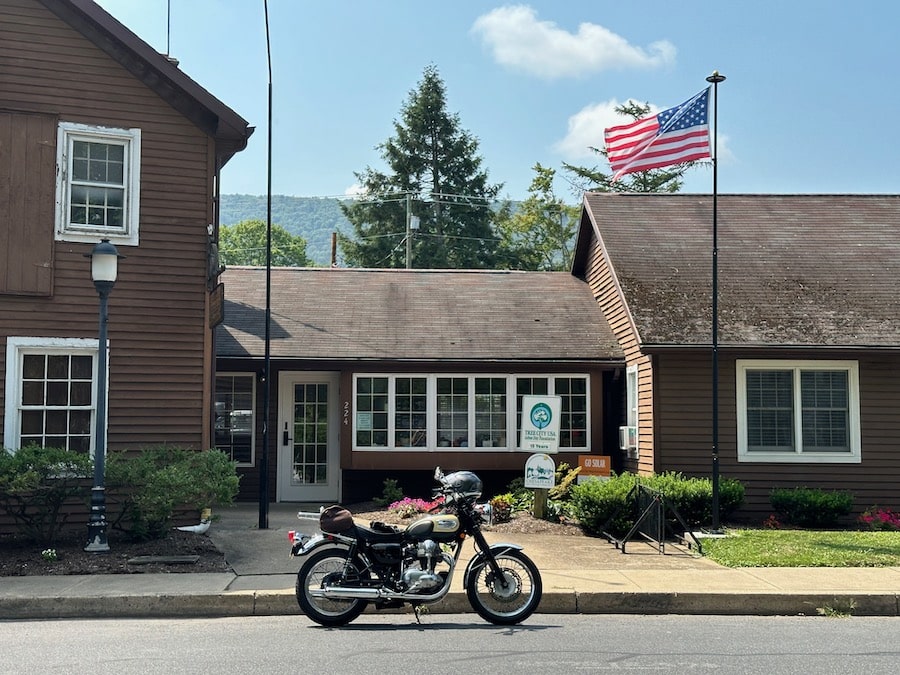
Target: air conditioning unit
{"points": [[628, 438]]}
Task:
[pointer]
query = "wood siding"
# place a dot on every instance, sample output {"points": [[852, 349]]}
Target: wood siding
{"points": [[684, 432], [602, 282], [161, 360]]}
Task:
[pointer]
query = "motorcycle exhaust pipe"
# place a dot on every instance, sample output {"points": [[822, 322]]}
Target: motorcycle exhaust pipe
{"points": [[344, 593]]}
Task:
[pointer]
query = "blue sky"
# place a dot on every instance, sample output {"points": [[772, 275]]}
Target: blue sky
{"points": [[809, 85]]}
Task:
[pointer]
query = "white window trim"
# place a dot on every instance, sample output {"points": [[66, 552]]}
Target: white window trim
{"points": [[431, 411], [252, 376], [132, 140], [854, 456], [16, 348]]}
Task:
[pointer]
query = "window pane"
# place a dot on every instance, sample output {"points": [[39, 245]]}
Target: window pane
{"points": [[410, 396], [573, 402], [234, 417], [56, 406], [825, 414], [453, 411], [490, 412], [770, 411]]}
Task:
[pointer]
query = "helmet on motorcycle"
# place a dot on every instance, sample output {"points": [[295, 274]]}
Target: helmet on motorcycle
{"points": [[464, 483]]}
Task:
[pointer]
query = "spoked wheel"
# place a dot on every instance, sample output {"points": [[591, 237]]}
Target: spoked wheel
{"points": [[323, 568], [510, 602]]}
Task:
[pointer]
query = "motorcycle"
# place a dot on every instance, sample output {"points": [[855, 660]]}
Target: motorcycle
{"points": [[347, 566]]}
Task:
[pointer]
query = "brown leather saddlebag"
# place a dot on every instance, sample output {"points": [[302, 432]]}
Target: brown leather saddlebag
{"points": [[335, 519]]}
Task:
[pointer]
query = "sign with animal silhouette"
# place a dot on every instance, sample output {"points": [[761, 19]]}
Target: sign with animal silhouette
{"points": [[540, 471]]}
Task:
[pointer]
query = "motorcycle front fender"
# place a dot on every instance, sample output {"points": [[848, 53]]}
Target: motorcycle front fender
{"points": [[480, 560]]}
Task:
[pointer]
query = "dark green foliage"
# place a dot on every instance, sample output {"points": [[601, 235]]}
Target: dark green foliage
{"points": [[595, 502], [36, 482], [502, 506], [811, 507], [390, 494], [692, 497], [434, 161], [313, 218], [539, 234], [155, 482]]}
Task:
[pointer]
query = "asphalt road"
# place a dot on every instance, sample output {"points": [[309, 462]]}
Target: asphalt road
{"points": [[459, 643]]}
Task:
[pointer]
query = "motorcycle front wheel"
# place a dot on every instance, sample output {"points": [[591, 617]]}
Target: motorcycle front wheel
{"points": [[326, 567], [510, 603]]}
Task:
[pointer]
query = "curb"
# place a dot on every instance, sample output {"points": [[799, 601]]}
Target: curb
{"points": [[283, 603]]}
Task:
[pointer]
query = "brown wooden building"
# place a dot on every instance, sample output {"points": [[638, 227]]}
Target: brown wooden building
{"points": [[103, 137], [809, 335], [387, 373]]}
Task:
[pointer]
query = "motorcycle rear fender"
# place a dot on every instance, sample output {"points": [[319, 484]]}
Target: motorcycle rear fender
{"points": [[308, 545], [479, 560]]}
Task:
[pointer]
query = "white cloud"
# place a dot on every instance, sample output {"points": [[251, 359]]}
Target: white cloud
{"points": [[586, 130], [519, 40], [355, 190]]}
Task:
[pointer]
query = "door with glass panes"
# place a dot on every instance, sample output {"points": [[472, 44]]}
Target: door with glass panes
{"points": [[308, 442]]}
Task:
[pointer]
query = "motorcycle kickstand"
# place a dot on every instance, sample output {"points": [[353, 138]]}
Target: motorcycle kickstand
{"points": [[419, 610]]}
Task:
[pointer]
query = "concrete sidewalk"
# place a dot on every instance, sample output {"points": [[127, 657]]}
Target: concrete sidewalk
{"points": [[580, 575]]}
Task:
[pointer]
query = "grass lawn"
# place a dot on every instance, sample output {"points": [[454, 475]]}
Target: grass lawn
{"points": [[804, 548]]}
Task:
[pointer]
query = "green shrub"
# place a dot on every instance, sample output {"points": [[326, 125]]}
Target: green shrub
{"points": [[811, 507], [153, 483], [35, 483], [502, 508], [692, 497], [594, 502], [390, 494]]}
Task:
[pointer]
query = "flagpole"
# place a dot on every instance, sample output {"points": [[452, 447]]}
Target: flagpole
{"points": [[714, 79]]}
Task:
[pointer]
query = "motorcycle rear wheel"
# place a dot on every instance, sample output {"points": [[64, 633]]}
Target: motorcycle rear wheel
{"points": [[510, 604], [313, 574]]}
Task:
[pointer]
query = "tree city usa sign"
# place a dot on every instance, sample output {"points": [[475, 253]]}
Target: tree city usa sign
{"points": [[540, 423]]}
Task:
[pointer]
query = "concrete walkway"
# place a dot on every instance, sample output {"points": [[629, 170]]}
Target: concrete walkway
{"points": [[580, 575]]}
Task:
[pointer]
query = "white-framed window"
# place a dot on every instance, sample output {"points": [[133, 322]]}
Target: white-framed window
{"points": [[51, 397], [235, 421], [97, 183], [433, 411], [798, 411], [631, 396]]}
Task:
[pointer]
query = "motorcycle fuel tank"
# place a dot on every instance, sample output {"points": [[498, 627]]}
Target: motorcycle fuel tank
{"points": [[438, 527]]}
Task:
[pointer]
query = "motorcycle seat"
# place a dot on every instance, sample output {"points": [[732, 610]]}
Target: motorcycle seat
{"points": [[379, 533]]}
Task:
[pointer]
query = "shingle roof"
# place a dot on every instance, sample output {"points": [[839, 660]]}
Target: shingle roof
{"points": [[355, 314], [819, 270]]}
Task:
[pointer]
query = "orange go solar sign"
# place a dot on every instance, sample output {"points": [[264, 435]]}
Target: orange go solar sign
{"points": [[594, 465]]}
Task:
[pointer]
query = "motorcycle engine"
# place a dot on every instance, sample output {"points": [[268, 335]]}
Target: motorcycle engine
{"points": [[419, 573]]}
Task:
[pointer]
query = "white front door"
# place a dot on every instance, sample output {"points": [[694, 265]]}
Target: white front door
{"points": [[308, 442]]}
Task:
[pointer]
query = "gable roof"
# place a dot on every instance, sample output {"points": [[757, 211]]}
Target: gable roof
{"points": [[419, 315], [208, 113], [805, 270]]}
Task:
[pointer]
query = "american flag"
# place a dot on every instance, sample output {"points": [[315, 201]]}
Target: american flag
{"points": [[676, 135]]}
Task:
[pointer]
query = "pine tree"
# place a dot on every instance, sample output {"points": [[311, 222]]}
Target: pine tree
{"points": [[434, 174]]}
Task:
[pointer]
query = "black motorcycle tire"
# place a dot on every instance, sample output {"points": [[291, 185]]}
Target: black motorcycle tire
{"points": [[326, 611], [510, 605]]}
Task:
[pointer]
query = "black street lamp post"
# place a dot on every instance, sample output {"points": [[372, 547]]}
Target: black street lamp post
{"points": [[104, 265]]}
